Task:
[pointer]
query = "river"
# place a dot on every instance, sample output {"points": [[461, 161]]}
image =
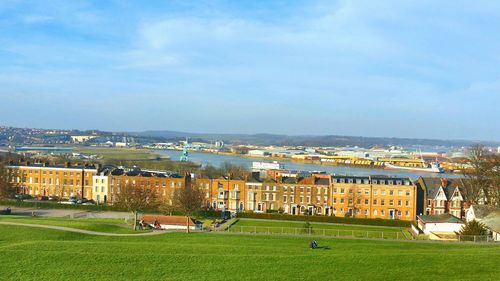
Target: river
{"points": [[217, 160]]}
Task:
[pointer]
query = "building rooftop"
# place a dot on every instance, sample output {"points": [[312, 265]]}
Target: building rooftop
{"points": [[443, 218]]}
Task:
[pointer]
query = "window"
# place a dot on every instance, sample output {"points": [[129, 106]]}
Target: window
{"points": [[341, 200], [285, 188], [399, 213], [374, 201], [382, 192], [358, 201], [308, 190], [407, 193], [407, 202], [335, 190], [342, 190], [301, 189], [391, 192], [375, 213], [301, 199], [366, 201], [391, 202], [400, 192], [399, 202], [375, 191], [350, 190], [382, 202], [284, 199], [334, 200], [367, 191], [407, 213], [382, 212], [308, 199]]}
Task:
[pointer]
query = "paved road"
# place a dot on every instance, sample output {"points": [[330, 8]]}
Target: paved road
{"points": [[82, 230]]}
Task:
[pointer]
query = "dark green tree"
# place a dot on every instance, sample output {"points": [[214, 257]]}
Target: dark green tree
{"points": [[473, 227]]}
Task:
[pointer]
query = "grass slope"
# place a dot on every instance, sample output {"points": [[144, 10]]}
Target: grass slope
{"points": [[40, 254]]}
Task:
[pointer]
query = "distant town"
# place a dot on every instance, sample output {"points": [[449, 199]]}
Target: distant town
{"points": [[394, 154]]}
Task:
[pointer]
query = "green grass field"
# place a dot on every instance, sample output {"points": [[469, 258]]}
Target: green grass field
{"points": [[99, 225], [326, 229], [40, 254]]}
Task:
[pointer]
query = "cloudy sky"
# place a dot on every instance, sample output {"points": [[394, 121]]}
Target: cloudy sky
{"points": [[426, 69]]}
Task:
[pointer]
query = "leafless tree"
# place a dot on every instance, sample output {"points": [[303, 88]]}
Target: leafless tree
{"points": [[7, 190], [188, 200], [134, 199], [352, 199], [482, 176]]}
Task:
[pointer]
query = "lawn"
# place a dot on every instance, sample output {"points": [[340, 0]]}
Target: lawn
{"points": [[99, 225], [40, 254], [327, 229]]}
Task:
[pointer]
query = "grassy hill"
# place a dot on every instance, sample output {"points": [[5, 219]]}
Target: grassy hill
{"points": [[39, 254]]}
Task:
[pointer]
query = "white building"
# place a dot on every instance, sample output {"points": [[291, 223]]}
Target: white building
{"points": [[267, 165], [257, 152], [439, 226], [487, 215], [100, 189]]}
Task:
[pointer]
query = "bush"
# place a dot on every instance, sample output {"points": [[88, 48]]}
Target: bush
{"points": [[473, 228], [363, 221]]}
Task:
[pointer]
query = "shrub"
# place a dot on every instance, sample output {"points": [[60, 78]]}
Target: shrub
{"points": [[473, 228]]}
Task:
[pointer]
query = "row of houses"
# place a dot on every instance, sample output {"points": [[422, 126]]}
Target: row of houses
{"points": [[284, 191]]}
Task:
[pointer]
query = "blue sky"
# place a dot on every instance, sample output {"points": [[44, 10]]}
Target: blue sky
{"points": [[426, 69]]}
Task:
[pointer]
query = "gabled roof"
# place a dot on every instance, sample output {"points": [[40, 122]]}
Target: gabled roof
{"points": [[481, 211], [443, 218], [492, 221], [432, 186]]}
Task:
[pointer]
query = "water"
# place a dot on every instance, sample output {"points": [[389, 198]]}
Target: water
{"points": [[217, 160]]}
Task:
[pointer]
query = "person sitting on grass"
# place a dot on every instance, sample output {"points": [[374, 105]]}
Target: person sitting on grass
{"points": [[313, 244]]}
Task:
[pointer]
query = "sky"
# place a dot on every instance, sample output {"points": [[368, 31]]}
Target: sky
{"points": [[423, 69]]}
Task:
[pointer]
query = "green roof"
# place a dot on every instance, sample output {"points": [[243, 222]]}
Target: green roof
{"points": [[440, 218]]}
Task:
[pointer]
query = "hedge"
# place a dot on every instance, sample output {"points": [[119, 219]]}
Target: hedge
{"points": [[363, 221]]}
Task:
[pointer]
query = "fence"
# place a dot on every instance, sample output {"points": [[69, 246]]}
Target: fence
{"points": [[474, 238], [399, 235]]}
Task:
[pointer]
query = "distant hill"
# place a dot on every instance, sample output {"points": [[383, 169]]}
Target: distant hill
{"points": [[307, 140]]}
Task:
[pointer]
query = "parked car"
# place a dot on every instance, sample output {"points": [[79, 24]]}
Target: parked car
{"points": [[23, 196], [81, 201], [42, 198], [67, 202], [54, 198]]}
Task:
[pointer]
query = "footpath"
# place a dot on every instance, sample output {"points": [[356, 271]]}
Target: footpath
{"points": [[69, 229]]}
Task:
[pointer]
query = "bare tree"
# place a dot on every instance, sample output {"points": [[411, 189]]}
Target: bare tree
{"points": [[482, 176], [475, 175], [352, 200], [7, 190], [188, 200], [135, 199]]}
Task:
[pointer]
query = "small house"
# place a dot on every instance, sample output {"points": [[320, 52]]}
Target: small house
{"points": [[171, 222], [440, 227]]}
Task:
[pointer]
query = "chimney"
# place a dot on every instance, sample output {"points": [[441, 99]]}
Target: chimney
{"points": [[444, 182]]}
